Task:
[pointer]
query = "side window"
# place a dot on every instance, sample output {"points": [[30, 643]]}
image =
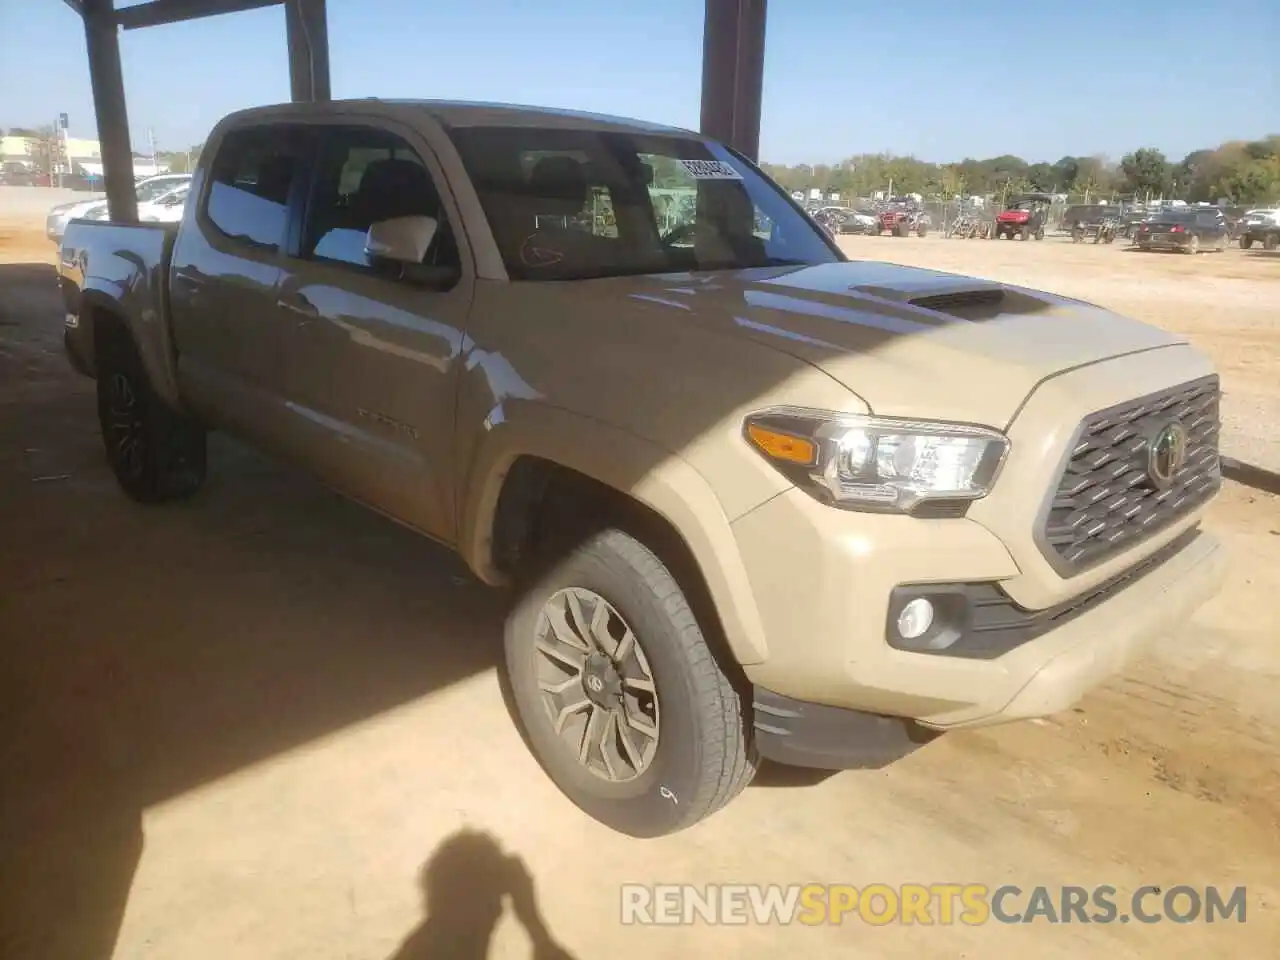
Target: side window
{"points": [[251, 179], [366, 176]]}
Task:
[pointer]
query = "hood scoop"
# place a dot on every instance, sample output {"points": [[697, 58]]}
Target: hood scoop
{"points": [[960, 300], [963, 297]]}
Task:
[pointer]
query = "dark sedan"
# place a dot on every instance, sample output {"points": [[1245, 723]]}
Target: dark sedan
{"points": [[1187, 231]]}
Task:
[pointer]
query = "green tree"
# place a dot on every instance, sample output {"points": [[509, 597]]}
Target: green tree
{"points": [[1146, 172]]}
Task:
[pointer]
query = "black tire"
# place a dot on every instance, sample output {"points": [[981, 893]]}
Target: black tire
{"points": [[704, 755], [1040, 233], [1193, 246], [1024, 234], [1270, 241], [922, 230], [155, 453], [1246, 241]]}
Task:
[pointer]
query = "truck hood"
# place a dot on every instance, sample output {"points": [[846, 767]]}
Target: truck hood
{"points": [[909, 342]]}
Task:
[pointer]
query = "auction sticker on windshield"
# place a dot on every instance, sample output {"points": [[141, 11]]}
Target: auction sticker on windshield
{"points": [[710, 170]]}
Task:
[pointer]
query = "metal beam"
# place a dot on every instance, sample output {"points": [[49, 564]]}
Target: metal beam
{"points": [[307, 30], [733, 72], [102, 41], [159, 12]]}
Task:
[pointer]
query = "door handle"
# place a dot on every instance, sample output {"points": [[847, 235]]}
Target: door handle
{"points": [[300, 305]]}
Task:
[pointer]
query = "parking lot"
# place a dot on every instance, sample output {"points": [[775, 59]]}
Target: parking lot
{"points": [[239, 727]]}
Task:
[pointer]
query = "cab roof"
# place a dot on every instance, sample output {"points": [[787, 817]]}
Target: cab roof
{"points": [[466, 113]]}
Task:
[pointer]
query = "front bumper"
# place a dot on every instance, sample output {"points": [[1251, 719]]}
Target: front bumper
{"points": [[824, 578]]}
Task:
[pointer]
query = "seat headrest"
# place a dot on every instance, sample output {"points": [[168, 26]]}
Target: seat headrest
{"points": [[558, 186], [394, 188]]}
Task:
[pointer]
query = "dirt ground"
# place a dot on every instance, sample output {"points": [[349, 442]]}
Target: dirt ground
{"points": [[241, 726]]}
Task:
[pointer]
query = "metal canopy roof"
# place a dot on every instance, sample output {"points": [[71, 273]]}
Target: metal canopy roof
{"points": [[732, 69]]}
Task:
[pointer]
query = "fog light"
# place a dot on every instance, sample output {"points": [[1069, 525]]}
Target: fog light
{"points": [[915, 619]]}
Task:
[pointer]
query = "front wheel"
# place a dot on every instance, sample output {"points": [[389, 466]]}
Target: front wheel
{"points": [[1246, 241], [1270, 241], [1193, 246], [155, 453], [623, 701]]}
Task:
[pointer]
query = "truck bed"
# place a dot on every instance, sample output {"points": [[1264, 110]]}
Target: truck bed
{"points": [[124, 266]]}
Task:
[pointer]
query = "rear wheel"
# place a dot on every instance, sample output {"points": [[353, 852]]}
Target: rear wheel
{"points": [[1246, 241], [1193, 246], [623, 702], [155, 453], [1270, 241]]}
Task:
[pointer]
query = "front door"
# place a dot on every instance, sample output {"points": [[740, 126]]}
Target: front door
{"points": [[371, 352]]}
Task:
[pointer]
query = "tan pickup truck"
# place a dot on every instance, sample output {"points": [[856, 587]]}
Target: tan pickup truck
{"points": [[758, 500]]}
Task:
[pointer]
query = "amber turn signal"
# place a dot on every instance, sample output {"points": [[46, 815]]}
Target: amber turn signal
{"points": [[783, 446]]}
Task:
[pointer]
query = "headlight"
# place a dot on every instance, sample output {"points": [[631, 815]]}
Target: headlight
{"points": [[880, 464]]}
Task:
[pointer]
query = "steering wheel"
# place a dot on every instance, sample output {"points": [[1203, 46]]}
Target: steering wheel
{"points": [[683, 234]]}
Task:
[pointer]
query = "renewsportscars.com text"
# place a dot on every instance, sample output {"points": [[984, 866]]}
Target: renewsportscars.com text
{"points": [[926, 904]]}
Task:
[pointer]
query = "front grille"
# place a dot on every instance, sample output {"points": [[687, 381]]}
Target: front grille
{"points": [[1106, 500]]}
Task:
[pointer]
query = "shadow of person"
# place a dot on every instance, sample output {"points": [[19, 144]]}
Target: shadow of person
{"points": [[464, 885]]}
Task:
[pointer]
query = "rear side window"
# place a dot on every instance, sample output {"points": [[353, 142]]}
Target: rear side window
{"points": [[365, 176], [252, 176]]}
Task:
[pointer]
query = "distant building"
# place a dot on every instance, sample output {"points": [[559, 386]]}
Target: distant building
{"points": [[82, 156]]}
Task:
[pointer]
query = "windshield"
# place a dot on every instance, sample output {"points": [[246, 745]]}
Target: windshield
{"points": [[573, 204], [155, 188]]}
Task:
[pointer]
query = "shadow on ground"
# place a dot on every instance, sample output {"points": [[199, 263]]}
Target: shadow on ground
{"points": [[149, 651], [465, 884]]}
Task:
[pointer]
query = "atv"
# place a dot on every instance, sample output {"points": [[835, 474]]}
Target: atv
{"points": [[902, 221], [1102, 231], [1024, 217]]}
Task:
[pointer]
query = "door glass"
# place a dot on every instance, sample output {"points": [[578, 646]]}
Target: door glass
{"points": [[252, 176], [367, 176]]}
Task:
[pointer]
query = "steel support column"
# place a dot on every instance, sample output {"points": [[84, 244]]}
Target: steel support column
{"points": [[733, 72], [103, 44], [308, 33]]}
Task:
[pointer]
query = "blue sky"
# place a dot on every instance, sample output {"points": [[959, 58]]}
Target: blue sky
{"points": [[940, 79]]}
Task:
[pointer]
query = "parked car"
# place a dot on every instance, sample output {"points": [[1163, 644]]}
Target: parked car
{"points": [[846, 220], [1024, 217], [1088, 213], [16, 174], [166, 208], [1260, 226], [755, 499], [147, 189], [1184, 229]]}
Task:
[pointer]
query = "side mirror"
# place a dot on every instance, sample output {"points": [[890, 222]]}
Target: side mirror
{"points": [[401, 239]]}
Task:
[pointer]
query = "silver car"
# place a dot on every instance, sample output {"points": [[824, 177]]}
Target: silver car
{"points": [[95, 207]]}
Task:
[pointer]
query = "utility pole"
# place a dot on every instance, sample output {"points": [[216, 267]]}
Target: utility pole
{"points": [[151, 138]]}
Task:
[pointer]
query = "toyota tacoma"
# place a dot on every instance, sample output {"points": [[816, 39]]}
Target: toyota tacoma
{"points": [[753, 499]]}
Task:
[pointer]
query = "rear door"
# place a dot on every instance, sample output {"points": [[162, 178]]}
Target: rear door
{"points": [[225, 267], [372, 356]]}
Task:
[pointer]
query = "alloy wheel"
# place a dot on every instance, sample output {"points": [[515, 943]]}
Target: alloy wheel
{"points": [[596, 684], [127, 430]]}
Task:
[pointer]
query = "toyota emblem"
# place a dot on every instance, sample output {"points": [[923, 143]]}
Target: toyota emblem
{"points": [[1166, 453]]}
